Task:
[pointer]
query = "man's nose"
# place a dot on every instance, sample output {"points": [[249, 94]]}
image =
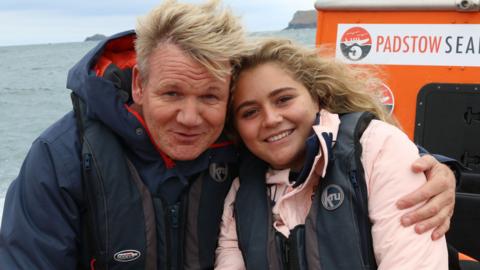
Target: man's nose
{"points": [[189, 114]]}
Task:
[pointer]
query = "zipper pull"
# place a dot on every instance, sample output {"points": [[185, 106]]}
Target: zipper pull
{"points": [[173, 211], [353, 178], [87, 161]]}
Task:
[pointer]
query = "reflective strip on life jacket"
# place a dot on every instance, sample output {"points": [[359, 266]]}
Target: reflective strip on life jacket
{"points": [[464, 257]]}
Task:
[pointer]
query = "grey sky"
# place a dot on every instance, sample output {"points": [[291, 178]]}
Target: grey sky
{"points": [[52, 21]]}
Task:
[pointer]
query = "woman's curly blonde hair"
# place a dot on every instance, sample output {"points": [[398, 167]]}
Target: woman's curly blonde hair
{"points": [[337, 87]]}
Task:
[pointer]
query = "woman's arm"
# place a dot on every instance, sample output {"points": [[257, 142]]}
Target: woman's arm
{"points": [[228, 255], [439, 195], [387, 157]]}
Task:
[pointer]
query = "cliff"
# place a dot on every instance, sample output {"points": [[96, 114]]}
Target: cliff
{"points": [[303, 19]]}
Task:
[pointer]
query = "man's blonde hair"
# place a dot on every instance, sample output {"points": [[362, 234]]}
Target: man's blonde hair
{"points": [[207, 32], [337, 87]]}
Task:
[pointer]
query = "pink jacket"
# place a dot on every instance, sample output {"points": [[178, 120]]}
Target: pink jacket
{"points": [[387, 157]]}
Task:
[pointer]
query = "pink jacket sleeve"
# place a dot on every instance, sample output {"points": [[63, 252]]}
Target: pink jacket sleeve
{"points": [[387, 158], [228, 255]]}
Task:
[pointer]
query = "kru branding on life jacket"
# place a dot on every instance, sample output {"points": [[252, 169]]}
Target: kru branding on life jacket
{"points": [[332, 197], [218, 171]]}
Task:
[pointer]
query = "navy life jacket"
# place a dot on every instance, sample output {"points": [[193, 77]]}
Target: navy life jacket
{"points": [[336, 234], [126, 227]]}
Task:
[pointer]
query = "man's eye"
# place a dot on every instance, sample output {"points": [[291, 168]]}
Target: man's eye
{"points": [[171, 94], [210, 98]]}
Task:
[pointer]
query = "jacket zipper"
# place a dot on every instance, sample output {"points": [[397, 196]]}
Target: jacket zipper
{"points": [[361, 229], [173, 213], [167, 235], [282, 251], [88, 163]]}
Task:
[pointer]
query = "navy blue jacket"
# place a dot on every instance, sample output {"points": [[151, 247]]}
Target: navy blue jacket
{"points": [[42, 226]]}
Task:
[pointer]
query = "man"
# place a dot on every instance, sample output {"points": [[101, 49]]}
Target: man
{"points": [[137, 181]]}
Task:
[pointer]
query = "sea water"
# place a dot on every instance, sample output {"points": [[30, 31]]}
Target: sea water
{"points": [[33, 94]]}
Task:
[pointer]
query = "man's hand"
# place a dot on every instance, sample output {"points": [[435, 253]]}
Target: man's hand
{"points": [[439, 194]]}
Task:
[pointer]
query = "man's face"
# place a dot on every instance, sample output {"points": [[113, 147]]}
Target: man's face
{"points": [[183, 104]]}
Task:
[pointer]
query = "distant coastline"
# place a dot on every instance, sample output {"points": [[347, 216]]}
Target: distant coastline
{"points": [[303, 19], [96, 37]]}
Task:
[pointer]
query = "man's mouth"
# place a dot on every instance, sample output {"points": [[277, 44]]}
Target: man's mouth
{"points": [[187, 137], [279, 136], [187, 134]]}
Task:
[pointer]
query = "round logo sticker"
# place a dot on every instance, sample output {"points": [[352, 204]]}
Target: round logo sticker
{"points": [[332, 197], [356, 43], [387, 98], [218, 171]]}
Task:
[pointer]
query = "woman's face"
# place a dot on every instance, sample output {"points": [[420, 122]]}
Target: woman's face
{"points": [[274, 115]]}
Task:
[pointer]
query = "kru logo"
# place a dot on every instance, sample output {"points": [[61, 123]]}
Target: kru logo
{"points": [[127, 255], [356, 43], [332, 197], [218, 172]]}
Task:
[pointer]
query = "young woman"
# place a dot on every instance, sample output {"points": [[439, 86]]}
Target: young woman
{"points": [[291, 210]]}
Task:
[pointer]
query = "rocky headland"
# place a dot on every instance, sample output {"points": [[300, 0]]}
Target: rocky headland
{"points": [[303, 19], [96, 37]]}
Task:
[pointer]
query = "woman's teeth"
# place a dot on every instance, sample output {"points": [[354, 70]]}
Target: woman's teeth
{"points": [[279, 136]]}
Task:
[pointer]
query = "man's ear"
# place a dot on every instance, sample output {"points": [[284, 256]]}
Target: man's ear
{"points": [[137, 86]]}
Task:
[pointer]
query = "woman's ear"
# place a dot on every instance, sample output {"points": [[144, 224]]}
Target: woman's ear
{"points": [[137, 86]]}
